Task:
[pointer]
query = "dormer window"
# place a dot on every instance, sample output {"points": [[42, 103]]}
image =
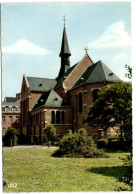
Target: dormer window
{"points": [[40, 84], [110, 74], [55, 99], [82, 78]]}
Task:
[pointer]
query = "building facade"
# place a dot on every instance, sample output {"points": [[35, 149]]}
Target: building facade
{"points": [[65, 100], [10, 114]]}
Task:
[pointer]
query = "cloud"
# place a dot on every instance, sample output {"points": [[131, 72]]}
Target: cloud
{"points": [[114, 36], [120, 56], [25, 47]]}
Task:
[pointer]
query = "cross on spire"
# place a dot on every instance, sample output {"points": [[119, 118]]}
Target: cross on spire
{"points": [[86, 49], [64, 19]]}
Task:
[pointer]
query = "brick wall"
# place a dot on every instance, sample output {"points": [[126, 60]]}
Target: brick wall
{"points": [[43, 116], [7, 123], [87, 100]]}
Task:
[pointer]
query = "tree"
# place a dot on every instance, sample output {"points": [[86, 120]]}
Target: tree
{"points": [[113, 108], [10, 137], [50, 132], [129, 69]]}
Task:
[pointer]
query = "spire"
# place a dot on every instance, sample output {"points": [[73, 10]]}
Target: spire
{"points": [[64, 46], [64, 55]]}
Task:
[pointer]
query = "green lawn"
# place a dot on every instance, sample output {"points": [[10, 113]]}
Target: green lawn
{"points": [[34, 170]]}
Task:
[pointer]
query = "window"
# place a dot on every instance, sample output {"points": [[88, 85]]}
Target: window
{"points": [[3, 109], [53, 117], [95, 95], [63, 117], [10, 109], [80, 102], [17, 119], [58, 117], [3, 119], [17, 109], [10, 119]]}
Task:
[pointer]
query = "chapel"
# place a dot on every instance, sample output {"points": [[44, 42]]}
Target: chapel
{"points": [[65, 100]]}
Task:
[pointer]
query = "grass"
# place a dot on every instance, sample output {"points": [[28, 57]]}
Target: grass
{"points": [[34, 170]]}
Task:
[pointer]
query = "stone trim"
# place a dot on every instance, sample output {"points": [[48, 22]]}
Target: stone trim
{"points": [[96, 89]]}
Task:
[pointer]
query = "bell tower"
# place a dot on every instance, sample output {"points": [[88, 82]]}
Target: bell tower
{"points": [[64, 54]]}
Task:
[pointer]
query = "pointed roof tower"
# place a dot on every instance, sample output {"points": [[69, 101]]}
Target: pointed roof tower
{"points": [[64, 55], [64, 46]]}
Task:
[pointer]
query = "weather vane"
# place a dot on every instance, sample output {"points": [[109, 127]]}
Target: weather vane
{"points": [[86, 49], [64, 19]]}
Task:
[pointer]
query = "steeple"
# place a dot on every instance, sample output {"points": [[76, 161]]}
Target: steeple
{"points": [[64, 55], [64, 45]]}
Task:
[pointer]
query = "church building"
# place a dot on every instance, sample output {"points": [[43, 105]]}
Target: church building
{"points": [[65, 100]]}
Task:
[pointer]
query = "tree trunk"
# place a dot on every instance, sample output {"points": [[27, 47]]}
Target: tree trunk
{"points": [[11, 143], [121, 133], [48, 143]]}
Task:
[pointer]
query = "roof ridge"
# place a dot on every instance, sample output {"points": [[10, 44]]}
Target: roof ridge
{"points": [[105, 66], [49, 92], [103, 69], [40, 78], [95, 64]]}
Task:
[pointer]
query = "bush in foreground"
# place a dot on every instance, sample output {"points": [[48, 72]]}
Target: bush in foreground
{"points": [[78, 145], [127, 178]]}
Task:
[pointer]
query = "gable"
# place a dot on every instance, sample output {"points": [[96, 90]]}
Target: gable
{"points": [[60, 82], [76, 73], [25, 89], [49, 99]]}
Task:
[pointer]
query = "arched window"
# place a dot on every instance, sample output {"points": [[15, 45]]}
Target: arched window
{"points": [[80, 102], [58, 117], [53, 117], [95, 95], [63, 120]]}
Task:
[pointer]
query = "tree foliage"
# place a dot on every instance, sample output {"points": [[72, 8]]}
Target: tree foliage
{"points": [[113, 108], [10, 137], [129, 70], [50, 132]]}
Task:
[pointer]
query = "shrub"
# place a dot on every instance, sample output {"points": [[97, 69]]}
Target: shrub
{"points": [[77, 145], [127, 178], [22, 139], [10, 138], [82, 131], [102, 143], [114, 144], [50, 132]]}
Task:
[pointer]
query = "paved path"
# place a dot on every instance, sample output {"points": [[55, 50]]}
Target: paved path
{"points": [[29, 146]]}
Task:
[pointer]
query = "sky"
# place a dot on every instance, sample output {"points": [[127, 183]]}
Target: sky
{"points": [[32, 34]]}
